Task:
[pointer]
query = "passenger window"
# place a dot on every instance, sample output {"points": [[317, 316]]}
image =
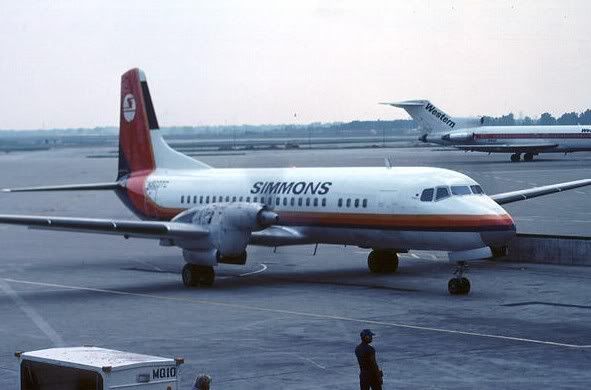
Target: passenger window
{"points": [[233, 199], [201, 199], [213, 199], [348, 202], [255, 199], [227, 198], [207, 199], [427, 195], [315, 202], [442, 193], [356, 202], [307, 201], [477, 189], [285, 201], [248, 199], [340, 204], [277, 200], [300, 201], [292, 201], [323, 202], [240, 199], [194, 198], [460, 190], [182, 198], [364, 203], [269, 201]]}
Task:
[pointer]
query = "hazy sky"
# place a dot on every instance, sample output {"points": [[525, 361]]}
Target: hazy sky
{"points": [[254, 62]]}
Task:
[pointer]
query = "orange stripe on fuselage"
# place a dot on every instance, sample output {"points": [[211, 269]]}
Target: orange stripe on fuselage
{"points": [[400, 221]]}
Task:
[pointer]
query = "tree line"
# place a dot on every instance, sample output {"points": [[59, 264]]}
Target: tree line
{"points": [[568, 118]]}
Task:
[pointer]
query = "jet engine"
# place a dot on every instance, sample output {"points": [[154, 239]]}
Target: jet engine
{"points": [[458, 136]]}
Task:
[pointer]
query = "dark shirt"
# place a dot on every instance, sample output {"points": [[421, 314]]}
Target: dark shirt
{"points": [[366, 356]]}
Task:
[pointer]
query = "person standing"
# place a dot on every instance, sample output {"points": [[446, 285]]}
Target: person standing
{"points": [[370, 375], [202, 382]]}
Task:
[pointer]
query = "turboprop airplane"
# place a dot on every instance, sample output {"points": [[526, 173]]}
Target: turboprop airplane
{"points": [[529, 140], [214, 214]]}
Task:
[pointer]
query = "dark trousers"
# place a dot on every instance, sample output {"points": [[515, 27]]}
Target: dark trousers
{"points": [[370, 381]]}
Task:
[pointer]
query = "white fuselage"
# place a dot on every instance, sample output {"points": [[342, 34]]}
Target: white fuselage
{"points": [[367, 207], [548, 138]]}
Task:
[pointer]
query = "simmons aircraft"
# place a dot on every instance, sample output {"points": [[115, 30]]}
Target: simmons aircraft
{"points": [[214, 214], [530, 141]]}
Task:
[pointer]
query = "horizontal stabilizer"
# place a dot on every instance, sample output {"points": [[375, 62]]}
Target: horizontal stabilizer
{"points": [[514, 196], [72, 187]]}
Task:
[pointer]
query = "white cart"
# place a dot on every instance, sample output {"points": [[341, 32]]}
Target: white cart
{"points": [[91, 368]]}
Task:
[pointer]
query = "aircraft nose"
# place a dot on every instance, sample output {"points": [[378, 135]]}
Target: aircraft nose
{"points": [[499, 232], [423, 138]]}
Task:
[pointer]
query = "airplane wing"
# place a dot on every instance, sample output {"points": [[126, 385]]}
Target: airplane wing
{"points": [[508, 148], [514, 196], [73, 187], [125, 228], [271, 236]]}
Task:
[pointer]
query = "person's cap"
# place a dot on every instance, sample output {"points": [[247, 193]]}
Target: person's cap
{"points": [[366, 332]]}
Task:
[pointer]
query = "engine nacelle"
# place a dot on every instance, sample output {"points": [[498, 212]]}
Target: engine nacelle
{"points": [[230, 226], [458, 136]]}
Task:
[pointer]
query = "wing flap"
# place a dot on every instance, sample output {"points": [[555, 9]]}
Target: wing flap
{"points": [[515, 196]]}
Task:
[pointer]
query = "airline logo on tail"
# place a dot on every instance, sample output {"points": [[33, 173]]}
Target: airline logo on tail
{"points": [[440, 115], [129, 107]]}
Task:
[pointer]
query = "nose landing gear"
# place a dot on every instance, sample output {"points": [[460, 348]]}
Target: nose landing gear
{"points": [[515, 157], [459, 285]]}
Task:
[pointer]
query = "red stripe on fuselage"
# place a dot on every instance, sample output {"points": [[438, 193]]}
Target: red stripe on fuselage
{"points": [[533, 136]]}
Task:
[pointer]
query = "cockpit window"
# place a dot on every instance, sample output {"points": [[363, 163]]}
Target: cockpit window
{"points": [[442, 193], [427, 195], [477, 189], [460, 190]]}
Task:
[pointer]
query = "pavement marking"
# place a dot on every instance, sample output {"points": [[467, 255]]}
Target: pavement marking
{"points": [[33, 315], [262, 269], [304, 314]]}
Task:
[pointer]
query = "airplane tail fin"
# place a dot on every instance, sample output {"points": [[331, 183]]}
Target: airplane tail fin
{"points": [[428, 117], [141, 146]]}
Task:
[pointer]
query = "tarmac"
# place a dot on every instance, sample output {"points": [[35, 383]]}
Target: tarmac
{"points": [[289, 319]]}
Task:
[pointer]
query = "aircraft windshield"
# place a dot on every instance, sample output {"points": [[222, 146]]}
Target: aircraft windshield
{"points": [[446, 192]]}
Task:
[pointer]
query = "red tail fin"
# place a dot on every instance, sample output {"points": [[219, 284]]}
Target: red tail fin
{"points": [[136, 119]]}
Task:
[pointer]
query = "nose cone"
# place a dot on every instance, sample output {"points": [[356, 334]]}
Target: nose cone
{"points": [[423, 138], [499, 232]]}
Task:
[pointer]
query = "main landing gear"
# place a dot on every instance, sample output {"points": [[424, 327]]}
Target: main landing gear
{"points": [[198, 275], [459, 285], [382, 261], [516, 157]]}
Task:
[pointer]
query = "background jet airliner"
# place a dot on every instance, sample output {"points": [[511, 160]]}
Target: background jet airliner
{"points": [[214, 214], [529, 140]]}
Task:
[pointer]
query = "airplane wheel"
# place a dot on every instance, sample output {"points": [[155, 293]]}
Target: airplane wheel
{"points": [[207, 276], [528, 157], [458, 286], [465, 286], [373, 262], [189, 275], [197, 275], [515, 157], [382, 262]]}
